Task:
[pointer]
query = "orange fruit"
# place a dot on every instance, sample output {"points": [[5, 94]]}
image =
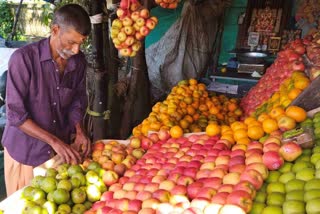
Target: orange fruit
{"points": [[244, 141], [238, 125], [248, 120], [184, 124], [228, 137], [240, 133], [276, 112], [193, 82], [188, 118], [176, 132], [213, 110], [255, 132], [301, 83], [294, 93], [232, 107], [269, 125], [263, 116], [297, 113], [213, 129], [254, 123]]}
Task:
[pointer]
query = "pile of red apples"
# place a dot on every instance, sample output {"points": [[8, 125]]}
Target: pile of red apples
{"points": [[170, 4], [195, 174], [133, 24], [287, 61]]}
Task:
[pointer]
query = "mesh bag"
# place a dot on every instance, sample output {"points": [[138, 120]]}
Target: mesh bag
{"points": [[187, 47]]}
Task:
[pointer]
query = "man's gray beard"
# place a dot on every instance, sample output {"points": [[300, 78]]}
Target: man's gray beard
{"points": [[65, 54]]}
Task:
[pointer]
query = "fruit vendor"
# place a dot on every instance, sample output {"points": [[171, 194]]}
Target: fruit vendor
{"points": [[46, 99]]}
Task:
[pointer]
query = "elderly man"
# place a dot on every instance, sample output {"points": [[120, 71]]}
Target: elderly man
{"points": [[46, 99]]}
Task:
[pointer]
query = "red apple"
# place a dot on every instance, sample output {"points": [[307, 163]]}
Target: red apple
{"points": [[272, 160], [162, 195], [260, 167], [231, 178], [193, 189], [199, 203], [253, 176], [179, 190], [226, 188], [240, 198], [144, 13], [271, 147], [246, 186], [143, 195], [237, 168], [220, 198], [290, 151], [151, 203], [110, 177]]}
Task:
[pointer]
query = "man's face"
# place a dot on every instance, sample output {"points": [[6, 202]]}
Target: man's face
{"points": [[67, 41]]}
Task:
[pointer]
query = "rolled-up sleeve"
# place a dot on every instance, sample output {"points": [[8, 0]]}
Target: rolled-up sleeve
{"points": [[79, 103], [18, 80]]}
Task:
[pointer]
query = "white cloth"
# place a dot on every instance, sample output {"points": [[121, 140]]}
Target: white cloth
{"points": [[5, 54]]}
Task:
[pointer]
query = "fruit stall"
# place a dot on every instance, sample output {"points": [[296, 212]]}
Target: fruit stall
{"points": [[198, 151]]}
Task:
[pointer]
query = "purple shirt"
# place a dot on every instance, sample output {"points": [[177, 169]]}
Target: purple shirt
{"points": [[35, 91]]}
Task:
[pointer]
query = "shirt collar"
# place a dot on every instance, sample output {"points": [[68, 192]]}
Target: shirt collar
{"points": [[45, 53]]}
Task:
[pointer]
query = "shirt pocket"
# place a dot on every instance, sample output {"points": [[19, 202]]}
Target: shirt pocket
{"points": [[66, 96]]}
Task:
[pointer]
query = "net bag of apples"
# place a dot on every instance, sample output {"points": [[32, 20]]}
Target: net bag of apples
{"points": [[170, 4], [131, 26]]}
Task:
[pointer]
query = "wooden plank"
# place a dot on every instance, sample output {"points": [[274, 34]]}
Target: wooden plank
{"points": [[309, 99]]}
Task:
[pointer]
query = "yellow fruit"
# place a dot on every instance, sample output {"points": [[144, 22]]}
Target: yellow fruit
{"points": [[255, 132], [213, 129], [269, 125], [297, 113], [176, 132]]}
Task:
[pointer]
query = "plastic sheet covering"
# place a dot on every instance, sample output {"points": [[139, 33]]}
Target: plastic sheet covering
{"points": [[187, 47]]}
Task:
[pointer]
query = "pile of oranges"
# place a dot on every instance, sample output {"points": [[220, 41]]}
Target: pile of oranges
{"points": [[289, 90], [243, 132], [190, 107]]}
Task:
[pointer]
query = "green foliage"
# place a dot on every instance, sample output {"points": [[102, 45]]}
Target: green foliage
{"points": [[6, 19]]}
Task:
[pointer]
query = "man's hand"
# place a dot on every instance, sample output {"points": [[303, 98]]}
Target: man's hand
{"points": [[65, 151], [82, 143]]}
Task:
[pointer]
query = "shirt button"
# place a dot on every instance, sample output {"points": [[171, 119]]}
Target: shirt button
{"points": [[58, 88], [57, 70], [49, 152], [54, 103], [54, 121]]}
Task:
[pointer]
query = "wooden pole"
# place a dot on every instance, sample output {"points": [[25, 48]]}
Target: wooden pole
{"points": [[113, 64], [100, 84]]}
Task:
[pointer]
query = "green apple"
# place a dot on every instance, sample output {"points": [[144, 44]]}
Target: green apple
{"points": [[293, 207], [264, 187], [312, 184], [275, 198], [306, 174], [305, 158], [296, 195], [307, 152], [317, 174], [311, 194], [299, 165], [257, 208], [317, 165], [272, 210], [316, 149], [288, 176], [260, 197], [286, 167], [313, 206], [276, 187], [295, 184], [314, 158], [317, 142], [273, 176]]}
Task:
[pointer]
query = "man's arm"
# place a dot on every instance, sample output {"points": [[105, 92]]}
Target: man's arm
{"points": [[67, 153], [76, 112]]}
